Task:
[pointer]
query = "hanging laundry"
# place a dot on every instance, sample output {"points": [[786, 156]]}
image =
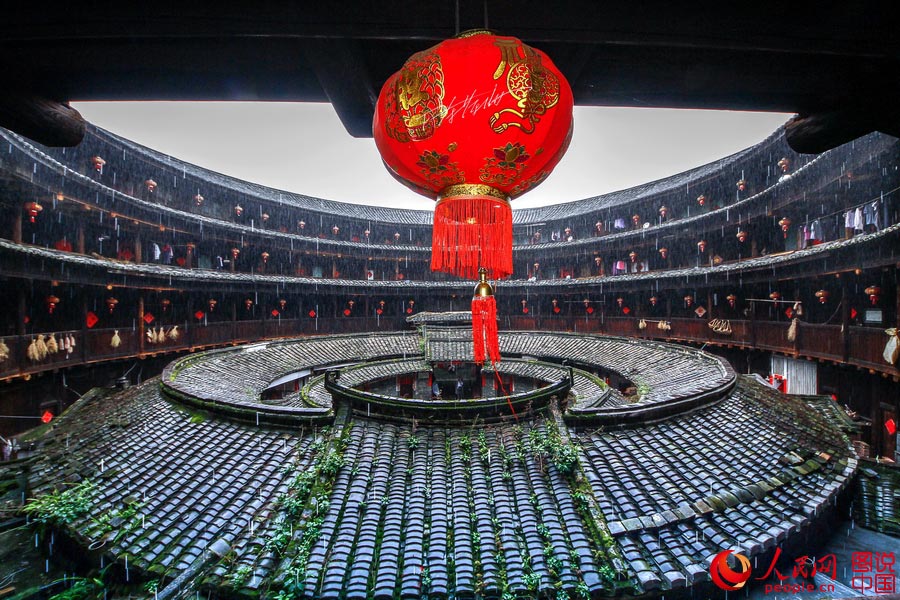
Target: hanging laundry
{"points": [[619, 224], [155, 251], [870, 216]]}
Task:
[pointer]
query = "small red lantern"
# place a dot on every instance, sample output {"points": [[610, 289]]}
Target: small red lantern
{"points": [[784, 164], [409, 308], [52, 301], [166, 303], [620, 301], [524, 307], [776, 296], [346, 312], [212, 304], [380, 310], [234, 253], [366, 233], [654, 300], [111, 304], [474, 155], [598, 261], [396, 237], [98, 163], [265, 217], [732, 300], [282, 303], [742, 236], [663, 212], [822, 295], [785, 224], [312, 314], [688, 300], [265, 257], [873, 291], [555, 304], [33, 208], [248, 303], [198, 199], [238, 210], [633, 256], [741, 185], [664, 253], [636, 220], [701, 200], [301, 225], [335, 230], [151, 185], [701, 246]]}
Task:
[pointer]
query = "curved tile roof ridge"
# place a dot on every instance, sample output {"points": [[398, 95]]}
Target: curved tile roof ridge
{"points": [[746, 265], [423, 217]]}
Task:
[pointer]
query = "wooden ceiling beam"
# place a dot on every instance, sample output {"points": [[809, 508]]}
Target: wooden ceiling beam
{"points": [[45, 121]]}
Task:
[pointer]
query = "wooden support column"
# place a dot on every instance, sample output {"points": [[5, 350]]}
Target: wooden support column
{"points": [[84, 327], [142, 334], [21, 312], [234, 319], [752, 325], [845, 322], [79, 239], [16, 233], [138, 249], [190, 323]]}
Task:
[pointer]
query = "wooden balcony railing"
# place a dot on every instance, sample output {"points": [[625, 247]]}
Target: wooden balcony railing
{"points": [[859, 346]]}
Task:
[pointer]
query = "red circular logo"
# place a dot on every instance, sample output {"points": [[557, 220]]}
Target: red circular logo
{"points": [[723, 575]]}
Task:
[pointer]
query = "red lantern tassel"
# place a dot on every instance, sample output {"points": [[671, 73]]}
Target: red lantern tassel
{"points": [[472, 231], [484, 329]]}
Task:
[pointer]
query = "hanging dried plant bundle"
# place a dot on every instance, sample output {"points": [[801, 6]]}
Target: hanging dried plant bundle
{"points": [[52, 346], [116, 341], [41, 347]]}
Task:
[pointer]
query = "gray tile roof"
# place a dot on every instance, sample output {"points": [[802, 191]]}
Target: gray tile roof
{"points": [[446, 510]]}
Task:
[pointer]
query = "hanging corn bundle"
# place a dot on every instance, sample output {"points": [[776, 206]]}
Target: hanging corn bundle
{"points": [[41, 347], [52, 346]]}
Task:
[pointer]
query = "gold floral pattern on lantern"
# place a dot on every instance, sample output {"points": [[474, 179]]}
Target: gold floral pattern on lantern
{"points": [[438, 170], [417, 102], [505, 165]]}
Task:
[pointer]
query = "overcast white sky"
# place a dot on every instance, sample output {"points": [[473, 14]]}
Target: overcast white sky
{"points": [[304, 148]]}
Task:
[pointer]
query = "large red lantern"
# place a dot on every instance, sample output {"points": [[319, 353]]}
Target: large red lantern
{"points": [[474, 122]]}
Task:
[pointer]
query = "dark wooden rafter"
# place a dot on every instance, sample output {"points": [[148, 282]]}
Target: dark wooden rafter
{"points": [[46, 121], [340, 68], [817, 132], [723, 57]]}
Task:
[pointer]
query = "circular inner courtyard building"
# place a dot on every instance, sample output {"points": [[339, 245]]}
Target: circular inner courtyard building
{"points": [[289, 467]]}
